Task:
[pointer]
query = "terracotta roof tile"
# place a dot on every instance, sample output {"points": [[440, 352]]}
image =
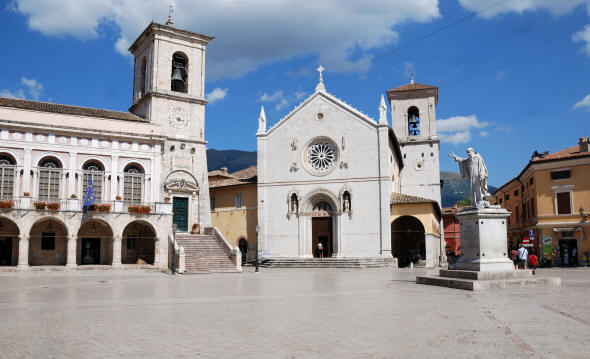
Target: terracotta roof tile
{"points": [[245, 176], [412, 87], [400, 198], [68, 110], [568, 153], [246, 173]]}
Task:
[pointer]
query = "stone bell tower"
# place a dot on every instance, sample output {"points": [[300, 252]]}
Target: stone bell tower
{"points": [[413, 119], [169, 90]]}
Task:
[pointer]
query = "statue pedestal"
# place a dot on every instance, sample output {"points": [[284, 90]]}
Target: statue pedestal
{"points": [[484, 240], [484, 262]]}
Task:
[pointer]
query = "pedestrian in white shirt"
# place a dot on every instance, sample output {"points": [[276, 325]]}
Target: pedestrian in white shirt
{"points": [[523, 255]]}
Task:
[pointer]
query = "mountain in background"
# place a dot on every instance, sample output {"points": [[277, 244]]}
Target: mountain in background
{"points": [[234, 160], [454, 188]]}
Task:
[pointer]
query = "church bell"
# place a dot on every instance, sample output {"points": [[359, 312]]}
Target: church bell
{"points": [[177, 75]]}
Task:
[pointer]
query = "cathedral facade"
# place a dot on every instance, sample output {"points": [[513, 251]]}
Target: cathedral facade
{"points": [[332, 182], [148, 166]]}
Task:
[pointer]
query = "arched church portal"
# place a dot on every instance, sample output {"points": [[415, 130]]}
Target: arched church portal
{"points": [[322, 235], [408, 240]]}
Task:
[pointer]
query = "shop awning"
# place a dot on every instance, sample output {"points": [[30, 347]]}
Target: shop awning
{"points": [[567, 229]]}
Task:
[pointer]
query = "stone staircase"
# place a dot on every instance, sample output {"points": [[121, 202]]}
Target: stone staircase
{"points": [[204, 254], [329, 262]]}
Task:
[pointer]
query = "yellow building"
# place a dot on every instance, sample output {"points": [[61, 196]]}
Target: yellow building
{"points": [[233, 208], [550, 199]]}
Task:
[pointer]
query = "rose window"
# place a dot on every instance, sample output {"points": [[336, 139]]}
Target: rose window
{"points": [[321, 156]]}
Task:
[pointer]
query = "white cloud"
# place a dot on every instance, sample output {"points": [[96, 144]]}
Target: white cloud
{"points": [[484, 133], [500, 74], [456, 138], [459, 123], [457, 129], [278, 97], [217, 94], [583, 36], [33, 90], [585, 102], [556, 7], [248, 34]]}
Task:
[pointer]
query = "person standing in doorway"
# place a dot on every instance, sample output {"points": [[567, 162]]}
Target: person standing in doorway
{"points": [[575, 257], [522, 256], [321, 249]]}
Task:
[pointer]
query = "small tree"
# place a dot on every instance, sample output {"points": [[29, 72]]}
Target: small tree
{"points": [[464, 202]]}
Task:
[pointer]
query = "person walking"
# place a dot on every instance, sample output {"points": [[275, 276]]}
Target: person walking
{"points": [[514, 257], [522, 256], [533, 262]]}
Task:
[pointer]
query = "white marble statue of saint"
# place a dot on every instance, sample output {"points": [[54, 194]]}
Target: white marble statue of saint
{"points": [[474, 168]]}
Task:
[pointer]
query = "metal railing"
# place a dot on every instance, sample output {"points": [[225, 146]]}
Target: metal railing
{"points": [[75, 204]]}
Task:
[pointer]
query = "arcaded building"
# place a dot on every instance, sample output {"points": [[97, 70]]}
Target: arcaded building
{"points": [[148, 166]]}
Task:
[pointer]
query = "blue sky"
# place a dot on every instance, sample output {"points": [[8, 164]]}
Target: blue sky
{"points": [[512, 79]]}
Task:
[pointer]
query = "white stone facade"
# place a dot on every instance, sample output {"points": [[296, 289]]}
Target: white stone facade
{"points": [[355, 184], [326, 159]]}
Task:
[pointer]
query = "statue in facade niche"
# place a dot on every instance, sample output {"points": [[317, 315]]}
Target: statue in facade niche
{"points": [[474, 168]]}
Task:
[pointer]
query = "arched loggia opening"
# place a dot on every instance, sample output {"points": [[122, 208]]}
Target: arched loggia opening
{"points": [[138, 244], [95, 243], [408, 240], [9, 237], [48, 243]]}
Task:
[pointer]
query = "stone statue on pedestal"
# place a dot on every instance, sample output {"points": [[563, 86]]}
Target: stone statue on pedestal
{"points": [[474, 168]]}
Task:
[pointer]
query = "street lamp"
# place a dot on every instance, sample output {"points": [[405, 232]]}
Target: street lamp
{"points": [[257, 242]]}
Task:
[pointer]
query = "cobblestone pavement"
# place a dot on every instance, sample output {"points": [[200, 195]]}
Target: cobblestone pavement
{"points": [[280, 313]]}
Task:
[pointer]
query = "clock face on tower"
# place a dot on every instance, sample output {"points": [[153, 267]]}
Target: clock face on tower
{"points": [[178, 118]]}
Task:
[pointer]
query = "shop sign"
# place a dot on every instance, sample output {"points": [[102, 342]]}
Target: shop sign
{"points": [[547, 245]]}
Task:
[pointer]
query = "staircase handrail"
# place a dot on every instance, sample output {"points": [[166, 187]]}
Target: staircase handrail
{"points": [[233, 253], [215, 233]]}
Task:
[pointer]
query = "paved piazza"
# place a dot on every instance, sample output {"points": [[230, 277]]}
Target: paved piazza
{"points": [[279, 313]]}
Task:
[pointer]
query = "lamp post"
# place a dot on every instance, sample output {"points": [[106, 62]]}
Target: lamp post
{"points": [[257, 242], [174, 228]]}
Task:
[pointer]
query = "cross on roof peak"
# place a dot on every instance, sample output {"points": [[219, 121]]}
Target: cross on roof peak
{"points": [[320, 86]]}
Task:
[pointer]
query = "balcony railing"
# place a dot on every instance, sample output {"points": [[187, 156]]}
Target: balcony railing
{"points": [[75, 205]]}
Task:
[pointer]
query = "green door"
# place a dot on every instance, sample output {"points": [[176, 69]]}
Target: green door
{"points": [[180, 207]]}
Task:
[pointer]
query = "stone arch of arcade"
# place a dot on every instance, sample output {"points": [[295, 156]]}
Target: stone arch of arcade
{"points": [[408, 240], [9, 241], [94, 244], [48, 242], [138, 244]]}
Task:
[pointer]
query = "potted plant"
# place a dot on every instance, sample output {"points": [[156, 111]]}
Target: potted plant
{"points": [[6, 204], [26, 194], [73, 196], [53, 206], [105, 208], [167, 199], [139, 209], [195, 229], [118, 198], [40, 206]]}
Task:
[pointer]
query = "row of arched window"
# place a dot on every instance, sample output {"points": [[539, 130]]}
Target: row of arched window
{"points": [[50, 177], [178, 76]]}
